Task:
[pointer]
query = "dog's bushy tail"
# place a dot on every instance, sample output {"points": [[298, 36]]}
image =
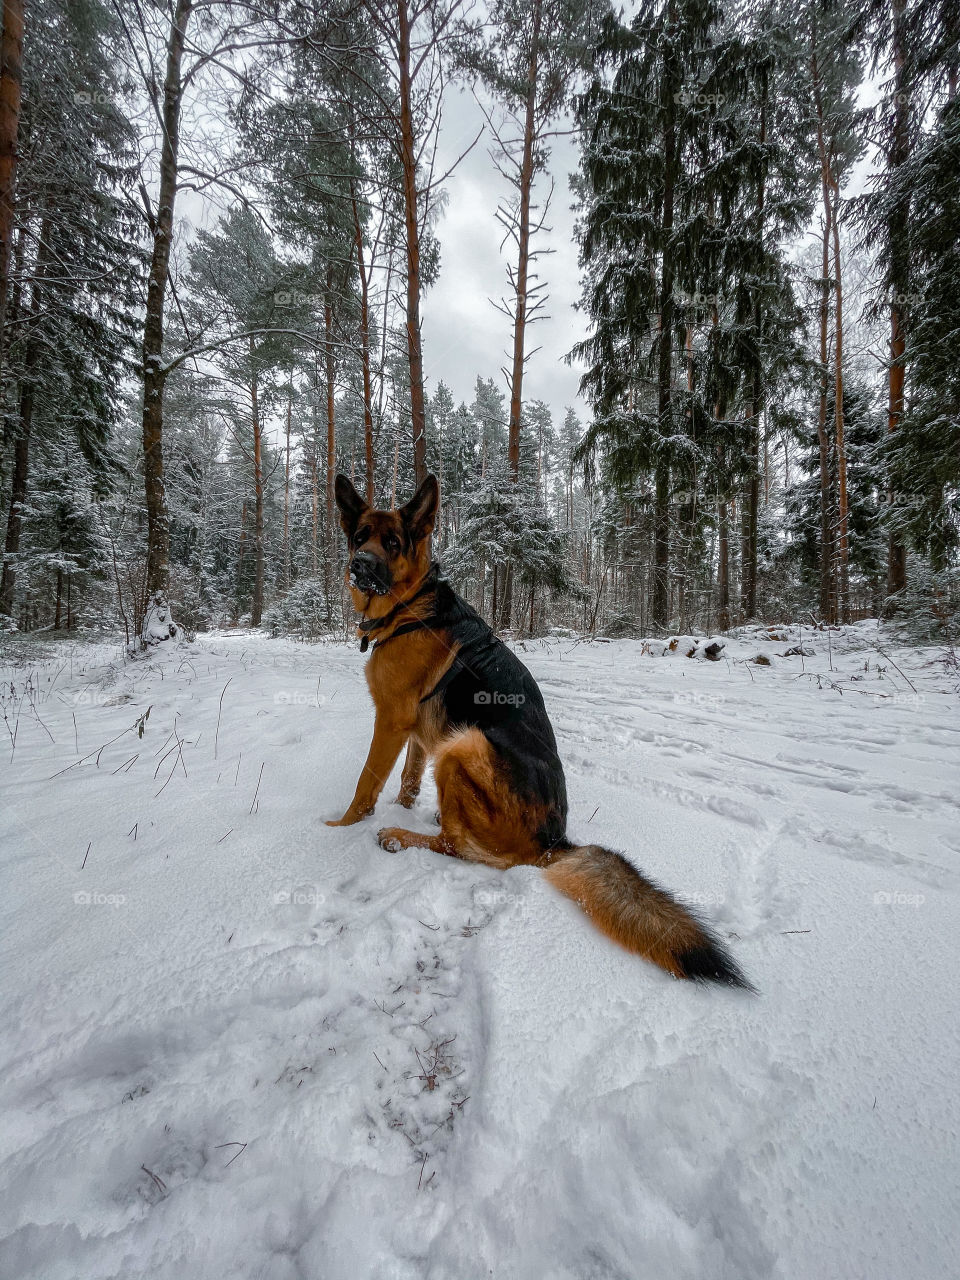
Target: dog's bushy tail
{"points": [[640, 916]]}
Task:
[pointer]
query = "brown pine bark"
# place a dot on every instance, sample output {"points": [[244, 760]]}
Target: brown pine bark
{"points": [[827, 605], [364, 347], [751, 499], [21, 453], [411, 218], [749, 517], [523, 243], [843, 543], [11, 49], [154, 375], [18, 489], [899, 267], [286, 497], [256, 609], [827, 589], [661, 518], [330, 526], [723, 567], [522, 277]]}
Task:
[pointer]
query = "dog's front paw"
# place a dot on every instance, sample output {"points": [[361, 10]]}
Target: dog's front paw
{"points": [[406, 799], [348, 819], [389, 838]]}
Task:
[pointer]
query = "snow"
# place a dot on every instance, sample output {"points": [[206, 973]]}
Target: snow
{"points": [[236, 1042]]}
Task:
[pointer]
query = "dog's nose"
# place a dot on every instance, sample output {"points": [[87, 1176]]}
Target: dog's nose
{"points": [[364, 562], [368, 572]]}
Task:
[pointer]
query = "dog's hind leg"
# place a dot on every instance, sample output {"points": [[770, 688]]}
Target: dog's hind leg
{"points": [[481, 818]]}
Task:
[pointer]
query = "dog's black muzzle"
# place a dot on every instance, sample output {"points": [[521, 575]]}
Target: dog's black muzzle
{"points": [[370, 574]]}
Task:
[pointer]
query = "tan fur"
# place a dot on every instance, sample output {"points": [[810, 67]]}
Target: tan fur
{"points": [[625, 906]]}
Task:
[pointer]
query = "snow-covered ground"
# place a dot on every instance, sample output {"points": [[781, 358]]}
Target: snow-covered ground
{"points": [[236, 1042]]}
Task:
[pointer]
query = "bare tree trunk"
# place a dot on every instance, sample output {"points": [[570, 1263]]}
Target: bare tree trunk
{"points": [[286, 498], [315, 506], [899, 265], [241, 548], [330, 528], [364, 347], [18, 492], [723, 568], [10, 76], [523, 245], [827, 594], [21, 454], [154, 375], [661, 536], [256, 611], [411, 215], [749, 514], [843, 550], [827, 610]]}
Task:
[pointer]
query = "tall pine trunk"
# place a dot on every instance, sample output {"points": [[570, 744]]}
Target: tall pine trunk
{"points": [[286, 496], [11, 50], [364, 351], [21, 453], [661, 517], [256, 611], [751, 498], [749, 517], [411, 217], [827, 610], [723, 567], [527, 169], [154, 375], [843, 542], [898, 249], [330, 526], [827, 590]]}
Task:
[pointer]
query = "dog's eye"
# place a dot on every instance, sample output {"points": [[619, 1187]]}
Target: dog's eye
{"points": [[391, 544], [360, 537]]}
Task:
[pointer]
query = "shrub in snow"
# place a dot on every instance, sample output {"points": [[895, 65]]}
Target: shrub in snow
{"points": [[302, 612], [928, 608]]}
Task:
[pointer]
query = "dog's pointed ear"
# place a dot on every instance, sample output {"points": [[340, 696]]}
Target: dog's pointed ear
{"points": [[351, 505], [420, 512]]}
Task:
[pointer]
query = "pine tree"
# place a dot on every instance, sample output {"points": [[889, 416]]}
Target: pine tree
{"points": [[75, 262]]}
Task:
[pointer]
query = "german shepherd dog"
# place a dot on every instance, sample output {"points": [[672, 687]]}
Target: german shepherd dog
{"points": [[446, 687]]}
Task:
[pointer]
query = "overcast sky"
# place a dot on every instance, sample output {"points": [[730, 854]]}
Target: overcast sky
{"points": [[463, 335]]}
